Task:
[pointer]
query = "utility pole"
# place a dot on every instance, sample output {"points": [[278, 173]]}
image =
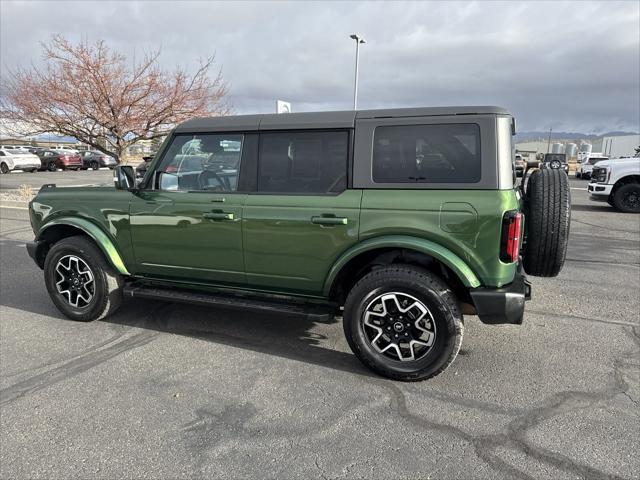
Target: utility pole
{"points": [[358, 40], [549, 141]]}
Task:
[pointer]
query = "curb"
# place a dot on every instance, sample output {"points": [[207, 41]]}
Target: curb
{"points": [[20, 205]]}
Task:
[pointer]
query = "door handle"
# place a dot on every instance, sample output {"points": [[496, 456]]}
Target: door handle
{"points": [[218, 216], [329, 220]]}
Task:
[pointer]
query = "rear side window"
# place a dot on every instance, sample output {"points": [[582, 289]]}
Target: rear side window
{"points": [[303, 162], [447, 153]]}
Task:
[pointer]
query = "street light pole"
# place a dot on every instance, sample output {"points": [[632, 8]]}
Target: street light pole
{"points": [[358, 40]]}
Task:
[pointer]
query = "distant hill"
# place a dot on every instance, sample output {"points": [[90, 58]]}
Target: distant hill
{"points": [[533, 136]]}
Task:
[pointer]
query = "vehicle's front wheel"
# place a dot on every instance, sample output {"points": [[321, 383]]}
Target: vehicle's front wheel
{"points": [[403, 323], [627, 198], [82, 285]]}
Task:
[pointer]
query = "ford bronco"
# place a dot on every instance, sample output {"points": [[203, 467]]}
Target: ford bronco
{"points": [[400, 220]]}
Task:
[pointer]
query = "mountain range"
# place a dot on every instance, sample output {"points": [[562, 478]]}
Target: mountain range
{"points": [[575, 136]]}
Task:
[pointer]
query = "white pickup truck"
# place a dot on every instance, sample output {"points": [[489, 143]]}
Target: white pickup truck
{"points": [[618, 183]]}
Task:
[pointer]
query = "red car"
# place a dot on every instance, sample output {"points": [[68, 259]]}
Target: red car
{"points": [[53, 160]]}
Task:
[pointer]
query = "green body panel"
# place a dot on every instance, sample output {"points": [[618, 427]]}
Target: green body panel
{"points": [[101, 212], [284, 249], [467, 223], [294, 244], [455, 263], [172, 237]]}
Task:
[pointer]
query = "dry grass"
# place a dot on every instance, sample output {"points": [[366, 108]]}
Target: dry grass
{"points": [[25, 192]]}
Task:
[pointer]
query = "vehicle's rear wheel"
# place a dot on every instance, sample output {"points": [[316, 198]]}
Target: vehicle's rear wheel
{"points": [[80, 281], [94, 165], [4, 168], [52, 167], [403, 323], [547, 221], [627, 198]]}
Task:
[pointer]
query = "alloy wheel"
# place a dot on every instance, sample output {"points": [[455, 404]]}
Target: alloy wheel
{"points": [[399, 326], [75, 281], [631, 200]]}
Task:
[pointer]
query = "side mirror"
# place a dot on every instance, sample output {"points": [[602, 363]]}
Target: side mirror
{"points": [[165, 181], [124, 177]]}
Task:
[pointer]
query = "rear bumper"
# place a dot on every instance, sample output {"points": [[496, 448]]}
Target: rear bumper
{"points": [[502, 305], [26, 166]]}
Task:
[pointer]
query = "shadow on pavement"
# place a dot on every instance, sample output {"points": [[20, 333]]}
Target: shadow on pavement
{"points": [[295, 337]]}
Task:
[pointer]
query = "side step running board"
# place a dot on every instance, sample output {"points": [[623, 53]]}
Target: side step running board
{"points": [[234, 301]]}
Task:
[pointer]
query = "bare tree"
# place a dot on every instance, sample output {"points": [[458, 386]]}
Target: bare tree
{"points": [[87, 91]]}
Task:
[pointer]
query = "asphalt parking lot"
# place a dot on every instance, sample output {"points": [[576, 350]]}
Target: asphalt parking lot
{"points": [[172, 391]]}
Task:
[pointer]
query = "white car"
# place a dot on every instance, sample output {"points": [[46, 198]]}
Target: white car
{"points": [[618, 183], [584, 169], [18, 160]]}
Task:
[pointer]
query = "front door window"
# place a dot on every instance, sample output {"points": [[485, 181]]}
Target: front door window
{"points": [[207, 162]]}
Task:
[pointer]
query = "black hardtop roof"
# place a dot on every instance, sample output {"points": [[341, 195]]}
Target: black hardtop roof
{"points": [[309, 120]]}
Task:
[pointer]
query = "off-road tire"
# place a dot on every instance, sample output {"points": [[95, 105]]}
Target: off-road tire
{"points": [[547, 221], [621, 197], [108, 283], [433, 293]]}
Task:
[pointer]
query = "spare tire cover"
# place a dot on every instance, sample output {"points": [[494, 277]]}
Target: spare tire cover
{"points": [[547, 221]]}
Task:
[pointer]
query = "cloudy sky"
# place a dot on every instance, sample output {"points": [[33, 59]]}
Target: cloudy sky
{"points": [[573, 66]]}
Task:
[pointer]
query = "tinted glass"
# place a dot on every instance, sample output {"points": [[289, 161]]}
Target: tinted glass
{"points": [[303, 162], [427, 154], [202, 162]]}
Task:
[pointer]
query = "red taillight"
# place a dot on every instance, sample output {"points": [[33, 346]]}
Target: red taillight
{"points": [[511, 233]]}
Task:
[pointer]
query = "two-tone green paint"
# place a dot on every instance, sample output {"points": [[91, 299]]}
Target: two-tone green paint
{"points": [[293, 244], [101, 212]]}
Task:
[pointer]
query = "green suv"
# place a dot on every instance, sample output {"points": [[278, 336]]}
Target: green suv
{"points": [[399, 220]]}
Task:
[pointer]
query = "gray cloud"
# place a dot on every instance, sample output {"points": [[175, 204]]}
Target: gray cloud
{"points": [[573, 65]]}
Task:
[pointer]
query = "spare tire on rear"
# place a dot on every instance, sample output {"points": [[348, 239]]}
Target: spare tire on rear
{"points": [[547, 221]]}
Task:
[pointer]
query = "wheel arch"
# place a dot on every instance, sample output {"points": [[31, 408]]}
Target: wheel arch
{"points": [[397, 249], [60, 228], [624, 181]]}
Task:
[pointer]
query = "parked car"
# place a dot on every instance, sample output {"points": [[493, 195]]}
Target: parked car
{"points": [[618, 183], [401, 221], [141, 168], [53, 160], [555, 161], [94, 159], [584, 168], [18, 160], [520, 165], [66, 149]]}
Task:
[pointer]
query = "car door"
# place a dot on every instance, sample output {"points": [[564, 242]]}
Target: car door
{"points": [[188, 224], [302, 216]]}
